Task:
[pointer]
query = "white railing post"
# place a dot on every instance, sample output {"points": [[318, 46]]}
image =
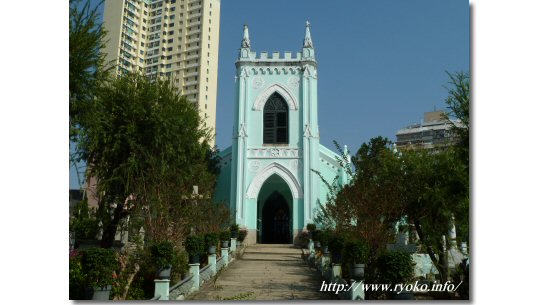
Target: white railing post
{"points": [[337, 272], [224, 254], [357, 290], [311, 249], [162, 288], [233, 244], [212, 261], [194, 269]]}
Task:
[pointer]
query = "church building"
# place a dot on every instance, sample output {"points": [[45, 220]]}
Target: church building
{"points": [[269, 176]]}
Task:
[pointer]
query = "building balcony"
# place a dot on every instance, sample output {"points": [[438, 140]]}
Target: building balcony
{"points": [[192, 56], [194, 65], [190, 91], [191, 74], [194, 22], [193, 41], [193, 31], [195, 15], [193, 48], [133, 11], [191, 83], [195, 7]]}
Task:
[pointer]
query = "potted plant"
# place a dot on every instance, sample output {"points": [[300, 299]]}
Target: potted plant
{"points": [[163, 254], [242, 235], [311, 228], [324, 241], [99, 265], [225, 238], [396, 267], [336, 247], [356, 253], [211, 241], [234, 230], [194, 245], [315, 237]]}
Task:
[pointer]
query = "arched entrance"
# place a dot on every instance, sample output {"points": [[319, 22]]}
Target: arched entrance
{"points": [[275, 203], [276, 220]]}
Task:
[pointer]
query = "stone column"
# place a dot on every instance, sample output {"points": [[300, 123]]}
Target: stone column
{"points": [[162, 288], [337, 272], [357, 290], [233, 244], [224, 254], [194, 269], [212, 261]]}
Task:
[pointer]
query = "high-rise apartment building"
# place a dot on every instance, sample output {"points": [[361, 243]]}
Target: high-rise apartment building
{"points": [[176, 39], [434, 132]]}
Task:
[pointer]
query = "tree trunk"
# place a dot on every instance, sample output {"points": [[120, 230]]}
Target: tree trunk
{"points": [[109, 232], [130, 281], [431, 253]]}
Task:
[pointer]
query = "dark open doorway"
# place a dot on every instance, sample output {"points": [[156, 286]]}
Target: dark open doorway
{"points": [[276, 220]]}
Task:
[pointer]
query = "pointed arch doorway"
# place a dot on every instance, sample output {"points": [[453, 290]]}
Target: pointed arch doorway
{"points": [[275, 210]]}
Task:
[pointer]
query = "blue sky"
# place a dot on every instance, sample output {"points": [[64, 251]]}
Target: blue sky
{"points": [[381, 63]]}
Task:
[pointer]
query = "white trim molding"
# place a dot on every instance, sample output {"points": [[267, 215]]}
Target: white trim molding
{"points": [[280, 170], [282, 90]]}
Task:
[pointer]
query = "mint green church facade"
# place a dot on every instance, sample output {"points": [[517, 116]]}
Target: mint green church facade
{"points": [[268, 174]]}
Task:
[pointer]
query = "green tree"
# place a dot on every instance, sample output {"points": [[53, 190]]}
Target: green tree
{"points": [[458, 102], [436, 187], [143, 143], [426, 187], [371, 203], [387, 186], [87, 68]]}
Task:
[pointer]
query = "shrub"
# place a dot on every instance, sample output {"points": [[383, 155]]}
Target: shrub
{"points": [[77, 278], [316, 234], [99, 265], [311, 227], [323, 238], [86, 228], [234, 228], [356, 251], [395, 267], [242, 235], [304, 239], [162, 254], [225, 235], [194, 245], [336, 243], [211, 239]]}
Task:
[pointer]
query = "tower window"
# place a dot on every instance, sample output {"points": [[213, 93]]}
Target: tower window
{"points": [[275, 120]]}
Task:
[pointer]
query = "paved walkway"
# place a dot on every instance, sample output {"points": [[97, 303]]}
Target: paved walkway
{"points": [[265, 272]]}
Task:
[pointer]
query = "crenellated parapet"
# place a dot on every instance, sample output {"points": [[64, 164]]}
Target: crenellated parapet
{"points": [[246, 55]]}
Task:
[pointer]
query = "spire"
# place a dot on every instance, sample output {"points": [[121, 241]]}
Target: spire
{"points": [[245, 43], [307, 39]]}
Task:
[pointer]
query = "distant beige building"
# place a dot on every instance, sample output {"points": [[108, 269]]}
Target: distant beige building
{"points": [[178, 39], [433, 133]]}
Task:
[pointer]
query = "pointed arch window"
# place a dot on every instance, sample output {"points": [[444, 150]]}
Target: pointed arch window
{"points": [[275, 120]]}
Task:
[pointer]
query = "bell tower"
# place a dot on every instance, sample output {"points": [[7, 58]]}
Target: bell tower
{"points": [[274, 190]]}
